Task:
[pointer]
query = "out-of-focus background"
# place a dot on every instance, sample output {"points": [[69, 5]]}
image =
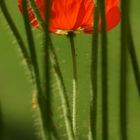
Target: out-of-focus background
{"points": [[16, 89]]}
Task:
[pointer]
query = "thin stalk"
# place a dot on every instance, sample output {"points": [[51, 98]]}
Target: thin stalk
{"points": [[104, 72], [123, 106], [64, 98], [37, 82], [46, 62], [75, 81], [17, 35], [47, 79], [123, 69], [47, 48], [31, 46], [46, 68], [94, 77], [134, 60]]}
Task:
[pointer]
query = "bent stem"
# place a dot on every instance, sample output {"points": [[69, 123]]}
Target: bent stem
{"points": [[75, 79]]}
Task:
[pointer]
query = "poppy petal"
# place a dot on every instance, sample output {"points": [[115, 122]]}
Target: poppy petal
{"points": [[72, 15]]}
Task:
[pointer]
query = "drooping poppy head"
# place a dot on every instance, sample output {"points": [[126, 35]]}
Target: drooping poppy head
{"points": [[73, 15]]}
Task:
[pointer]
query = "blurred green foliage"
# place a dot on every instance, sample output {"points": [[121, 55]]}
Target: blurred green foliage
{"points": [[15, 88]]}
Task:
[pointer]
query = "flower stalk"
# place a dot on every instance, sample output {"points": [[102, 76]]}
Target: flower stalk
{"points": [[37, 81], [104, 51], [71, 36], [123, 69], [52, 56], [94, 75]]}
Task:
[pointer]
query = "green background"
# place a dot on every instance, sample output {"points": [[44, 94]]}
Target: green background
{"points": [[16, 89]]}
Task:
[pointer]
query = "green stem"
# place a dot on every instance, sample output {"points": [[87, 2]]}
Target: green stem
{"points": [[37, 82], [17, 35], [123, 69], [47, 57], [31, 46], [94, 77], [47, 64], [104, 72], [64, 98], [123, 92], [75, 81]]}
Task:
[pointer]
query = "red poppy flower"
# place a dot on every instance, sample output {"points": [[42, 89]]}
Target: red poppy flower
{"points": [[74, 15]]}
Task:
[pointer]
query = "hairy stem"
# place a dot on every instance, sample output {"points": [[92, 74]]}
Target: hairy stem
{"points": [[37, 81], [31, 46], [64, 98]]}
